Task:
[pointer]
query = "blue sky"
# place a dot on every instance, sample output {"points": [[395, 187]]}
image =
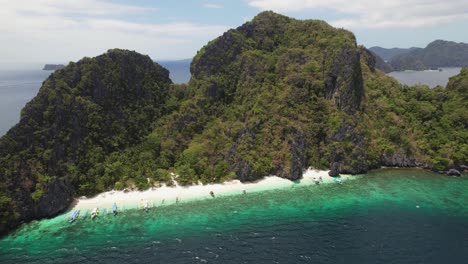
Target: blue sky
{"points": [[65, 30]]}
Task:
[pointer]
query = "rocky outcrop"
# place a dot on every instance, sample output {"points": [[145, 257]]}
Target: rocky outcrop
{"points": [[344, 80], [401, 159], [58, 195], [297, 146], [453, 172], [348, 150], [334, 169]]}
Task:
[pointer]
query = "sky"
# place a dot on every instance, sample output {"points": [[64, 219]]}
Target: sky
{"points": [[59, 31]]}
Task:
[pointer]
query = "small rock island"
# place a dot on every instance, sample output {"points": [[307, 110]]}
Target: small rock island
{"points": [[53, 67]]}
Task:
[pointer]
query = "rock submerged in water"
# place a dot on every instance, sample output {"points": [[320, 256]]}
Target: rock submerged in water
{"points": [[453, 172]]}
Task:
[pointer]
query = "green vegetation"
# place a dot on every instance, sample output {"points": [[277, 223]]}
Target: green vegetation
{"points": [[273, 96], [417, 126], [82, 114], [258, 107]]}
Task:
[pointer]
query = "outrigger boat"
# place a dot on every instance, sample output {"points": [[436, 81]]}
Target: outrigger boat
{"points": [[94, 213], [114, 208], [145, 205], [74, 216]]}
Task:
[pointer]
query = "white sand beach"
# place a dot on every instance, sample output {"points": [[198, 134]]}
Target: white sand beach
{"points": [[169, 195]]}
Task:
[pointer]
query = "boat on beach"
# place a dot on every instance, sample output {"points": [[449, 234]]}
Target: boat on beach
{"points": [[145, 205], [74, 216], [94, 213], [114, 209]]}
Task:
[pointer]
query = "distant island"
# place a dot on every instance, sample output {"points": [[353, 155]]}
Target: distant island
{"points": [[53, 67], [437, 54]]}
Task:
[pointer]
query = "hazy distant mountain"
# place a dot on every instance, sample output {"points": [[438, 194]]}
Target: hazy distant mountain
{"points": [[439, 53], [179, 70], [388, 54], [381, 64]]}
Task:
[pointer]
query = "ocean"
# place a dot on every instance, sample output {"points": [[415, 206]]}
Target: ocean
{"points": [[17, 87], [385, 216], [430, 78], [179, 70]]}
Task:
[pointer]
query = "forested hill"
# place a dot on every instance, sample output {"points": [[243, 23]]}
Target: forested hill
{"points": [[273, 96], [439, 53], [81, 114]]}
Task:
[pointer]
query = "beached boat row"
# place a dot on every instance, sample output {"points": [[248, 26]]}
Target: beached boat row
{"points": [[95, 212], [144, 205]]}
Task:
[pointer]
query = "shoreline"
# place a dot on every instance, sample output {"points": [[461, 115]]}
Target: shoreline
{"points": [[170, 195]]}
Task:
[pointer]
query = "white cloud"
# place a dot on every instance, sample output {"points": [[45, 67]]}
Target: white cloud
{"points": [[214, 6], [61, 7], [376, 14], [60, 31]]}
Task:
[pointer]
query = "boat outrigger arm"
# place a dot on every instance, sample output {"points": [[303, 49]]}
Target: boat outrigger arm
{"points": [[74, 216]]}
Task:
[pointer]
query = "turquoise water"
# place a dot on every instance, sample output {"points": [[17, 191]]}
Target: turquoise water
{"points": [[387, 216]]}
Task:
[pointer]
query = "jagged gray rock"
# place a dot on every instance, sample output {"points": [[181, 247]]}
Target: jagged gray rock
{"points": [[453, 172]]}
